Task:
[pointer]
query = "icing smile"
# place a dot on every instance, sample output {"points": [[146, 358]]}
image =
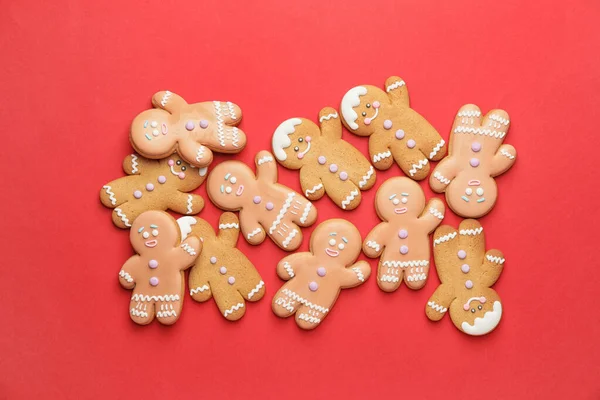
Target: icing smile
{"points": [[303, 153], [151, 243], [368, 121], [481, 299], [332, 253], [400, 210]]}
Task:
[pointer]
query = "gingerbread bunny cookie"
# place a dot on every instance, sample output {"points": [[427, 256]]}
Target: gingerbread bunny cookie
{"points": [[192, 130], [315, 278], [467, 273], [396, 131], [266, 207], [153, 185], [402, 240], [222, 271], [327, 163], [476, 156], [155, 273]]}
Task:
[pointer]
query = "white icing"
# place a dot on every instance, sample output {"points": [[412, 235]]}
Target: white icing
{"points": [[359, 274], [165, 314], [123, 217], [437, 307], [437, 148], [328, 117], [373, 244], [264, 159], [288, 269], [416, 277], [189, 249], [435, 212], [229, 226], [350, 100], [444, 238], [406, 264], [289, 238], [480, 131], [233, 309], [111, 195], [497, 118], [307, 303], [125, 276], [395, 85], [507, 154], [380, 156], [481, 326], [495, 259], [231, 110], [167, 297], [441, 178], [134, 164], [282, 212], [185, 226], [366, 177], [281, 139], [138, 313], [235, 134], [199, 290], [469, 113], [308, 318], [200, 153], [349, 198], [256, 289], [305, 213], [473, 232], [220, 123], [389, 278], [165, 99], [189, 204], [417, 166], [288, 305], [202, 171], [254, 232], [314, 189]]}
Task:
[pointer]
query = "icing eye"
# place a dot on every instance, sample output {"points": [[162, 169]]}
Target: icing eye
{"points": [[228, 189], [396, 201], [341, 246], [145, 235], [469, 191], [332, 242], [368, 105], [364, 114], [183, 168], [296, 148], [155, 232], [301, 140], [479, 192], [233, 179], [479, 307], [472, 310], [404, 200]]}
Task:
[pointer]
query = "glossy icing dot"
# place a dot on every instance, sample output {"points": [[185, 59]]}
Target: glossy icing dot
{"points": [[313, 286], [333, 168], [154, 281], [479, 191], [153, 264], [155, 132], [154, 124], [162, 179], [462, 254], [387, 124], [233, 179], [411, 144], [228, 189], [469, 191], [189, 125], [223, 270], [343, 175], [321, 271], [181, 175], [149, 187], [322, 160], [469, 284], [404, 249], [203, 124], [213, 260], [396, 201], [474, 162], [256, 199], [476, 146], [404, 200], [403, 234], [465, 268], [269, 206], [137, 194], [231, 280], [399, 134]]}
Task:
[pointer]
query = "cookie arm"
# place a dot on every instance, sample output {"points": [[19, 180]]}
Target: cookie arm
{"points": [[251, 229], [375, 241], [439, 302], [288, 267], [331, 126], [168, 101], [187, 252], [312, 186], [229, 228], [492, 266], [443, 174], [397, 91], [433, 214], [379, 151], [504, 158], [134, 164], [185, 203], [230, 113], [355, 275], [266, 169], [194, 152], [128, 271]]}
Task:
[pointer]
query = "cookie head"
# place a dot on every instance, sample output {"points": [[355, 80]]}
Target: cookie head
{"points": [[152, 133], [153, 230], [399, 197], [336, 240], [472, 196], [477, 313], [293, 140], [185, 175], [364, 107], [230, 185]]}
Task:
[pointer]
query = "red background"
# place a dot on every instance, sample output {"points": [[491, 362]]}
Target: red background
{"points": [[74, 74]]}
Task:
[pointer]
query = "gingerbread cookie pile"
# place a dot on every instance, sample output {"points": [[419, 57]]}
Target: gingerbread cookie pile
{"points": [[175, 141]]}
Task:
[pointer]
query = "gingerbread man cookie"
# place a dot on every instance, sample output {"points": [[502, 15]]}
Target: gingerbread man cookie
{"points": [[222, 271], [327, 163], [266, 207], [402, 240], [153, 185], [315, 278], [476, 156], [192, 130], [156, 273], [467, 273], [396, 131]]}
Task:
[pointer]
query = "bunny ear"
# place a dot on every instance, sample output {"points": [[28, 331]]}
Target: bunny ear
{"points": [[331, 126], [168, 101], [397, 91], [229, 228]]}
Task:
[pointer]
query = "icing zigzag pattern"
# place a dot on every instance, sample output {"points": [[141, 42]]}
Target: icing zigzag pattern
{"points": [[389, 278], [199, 290], [380, 156], [254, 232], [359, 274], [123, 217], [366, 178], [233, 309], [134, 164], [415, 167], [437, 148], [349, 198], [307, 303], [220, 133], [472, 232], [314, 189], [405, 264], [435, 212], [256, 289], [111, 194], [444, 238], [395, 85], [305, 213], [168, 297], [165, 98], [264, 159], [328, 117], [229, 226], [288, 305], [441, 178], [437, 307], [480, 131], [189, 204], [288, 269], [190, 250], [373, 244], [286, 205], [308, 318], [125, 276], [288, 239], [495, 259]]}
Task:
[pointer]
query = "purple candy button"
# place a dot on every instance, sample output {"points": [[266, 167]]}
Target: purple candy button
{"points": [[322, 160], [474, 162], [343, 175], [213, 260], [403, 234], [321, 271], [137, 194], [469, 284], [256, 199], [333, 168], [411, 144], [387, 124], [153, 264], [203, 124], [189, 125], [154, 281], [231, 280], [313, 286], [404, 249], [476, 146], [465, 268], [399, 134], [162, 179], [223, 270], [149, 187], [269, 206], [462, 254]]}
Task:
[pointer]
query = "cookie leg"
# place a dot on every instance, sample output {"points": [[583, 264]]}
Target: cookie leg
{"points": [[302, 212], [167, 312], [287, 235], [367, 178], [283, 305], [141, 312], [229, 301], [415, 277], [345, 194], [308, 318], [251, 286], [413, 163], [124, 215], [199, 288], [389, 275]]}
